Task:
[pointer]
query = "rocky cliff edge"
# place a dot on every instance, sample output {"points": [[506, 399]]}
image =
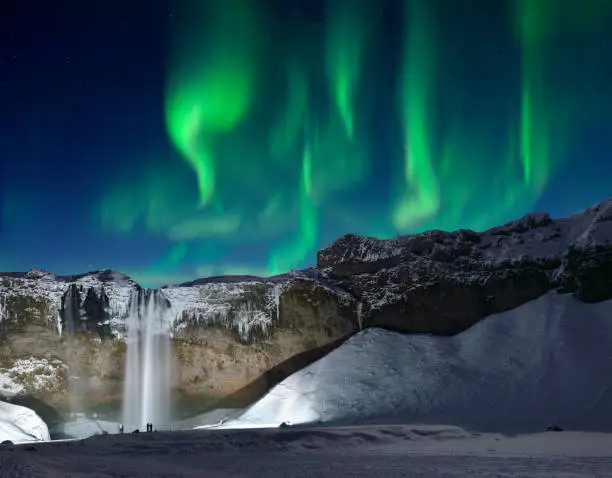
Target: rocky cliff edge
{"points": [[444, 282]]}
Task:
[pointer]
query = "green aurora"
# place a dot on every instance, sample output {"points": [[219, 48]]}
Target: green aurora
{"points": [[274, 136]]}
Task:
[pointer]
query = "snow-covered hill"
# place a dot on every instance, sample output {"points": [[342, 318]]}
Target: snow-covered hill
{"points": [[20, 424], [548, 361]]}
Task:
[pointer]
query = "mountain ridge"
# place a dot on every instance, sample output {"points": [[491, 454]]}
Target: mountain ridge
{"points": [[444, 282]]}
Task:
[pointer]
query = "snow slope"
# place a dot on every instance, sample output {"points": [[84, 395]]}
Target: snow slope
{"points": [[364, 451], [20, 424], [547, 361]]}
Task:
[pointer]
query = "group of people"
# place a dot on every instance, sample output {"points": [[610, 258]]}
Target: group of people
{"points": [[149, 428]]}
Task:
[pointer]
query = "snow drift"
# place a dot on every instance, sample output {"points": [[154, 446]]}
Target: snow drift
{"points": [[20, 424], [549, 360]]}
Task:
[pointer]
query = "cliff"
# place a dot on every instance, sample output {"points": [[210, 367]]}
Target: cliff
{"points": [[444, 282], [61, 333], [235, 337]]}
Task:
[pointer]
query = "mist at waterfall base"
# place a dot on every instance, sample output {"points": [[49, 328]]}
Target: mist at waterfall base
{"points": [[77, 382], [173, 140]]}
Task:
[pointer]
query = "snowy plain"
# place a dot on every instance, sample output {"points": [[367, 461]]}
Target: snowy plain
{"points": [[355, 451]]}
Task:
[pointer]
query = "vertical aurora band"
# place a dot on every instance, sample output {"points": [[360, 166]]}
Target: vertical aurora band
{"points": [[421, 198], [548, 113], [347, 35], [209, 97]]}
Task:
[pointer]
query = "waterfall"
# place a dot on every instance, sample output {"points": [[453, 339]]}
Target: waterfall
{"points": [[3, 313], [147, 383], [77, 383], [72, 307]]}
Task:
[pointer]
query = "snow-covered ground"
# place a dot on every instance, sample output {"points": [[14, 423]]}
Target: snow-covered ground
{"points": [[20, 424], [548, 361], [359, 451], [83, 427]]}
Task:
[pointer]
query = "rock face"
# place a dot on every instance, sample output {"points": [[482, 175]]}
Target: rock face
{"points": [[235, 337], [444, 282], [65, 334]]}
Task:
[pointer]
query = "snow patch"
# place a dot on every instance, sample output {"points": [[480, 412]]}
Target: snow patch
{"points": [[30, 375], [20, 424]]}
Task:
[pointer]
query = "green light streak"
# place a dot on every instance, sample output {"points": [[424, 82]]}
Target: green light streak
{"points": [[211, 97], [291, 254], [204, 225], [421, 198], [346, 37], [286, 132], [172, 258], [147, 196], [534, 19]]}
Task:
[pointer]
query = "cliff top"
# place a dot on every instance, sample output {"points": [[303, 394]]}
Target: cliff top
{"points": [[536, 236]]}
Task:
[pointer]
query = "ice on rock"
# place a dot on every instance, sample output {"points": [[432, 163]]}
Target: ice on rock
{"points": [[247, 305], [243, 306], [38, 373]]}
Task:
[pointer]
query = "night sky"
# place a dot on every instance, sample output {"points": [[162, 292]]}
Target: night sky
{"points": [[178, 139]]}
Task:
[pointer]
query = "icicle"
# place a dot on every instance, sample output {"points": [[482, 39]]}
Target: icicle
{"points": [[59, 323], [3, 311]]}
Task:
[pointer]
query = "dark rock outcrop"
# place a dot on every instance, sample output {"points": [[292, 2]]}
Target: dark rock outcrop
{"points": [[444, 282]]}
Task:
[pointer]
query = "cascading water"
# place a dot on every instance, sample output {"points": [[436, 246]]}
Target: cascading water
{"points": [[77, 383], [147, 384]]}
